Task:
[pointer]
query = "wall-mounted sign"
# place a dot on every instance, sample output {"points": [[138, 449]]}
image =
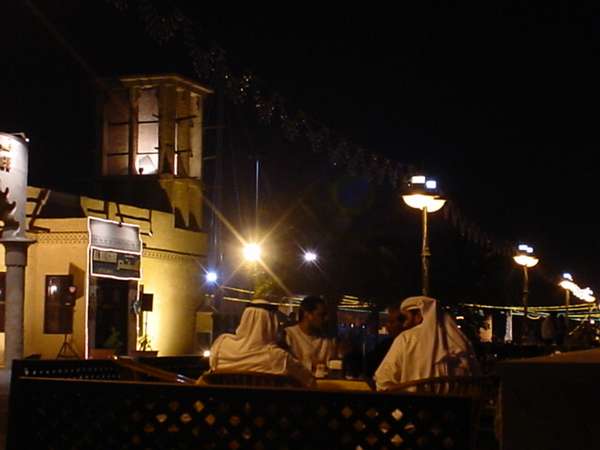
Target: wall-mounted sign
{"points": [[115, 249], [110, 235], [117, 265], [13, 186]]}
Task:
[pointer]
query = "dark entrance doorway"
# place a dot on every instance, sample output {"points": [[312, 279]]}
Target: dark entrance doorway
{"points": [[112, 314]]}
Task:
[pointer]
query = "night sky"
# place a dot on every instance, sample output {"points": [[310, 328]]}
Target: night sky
{"points": [[498, 102]]}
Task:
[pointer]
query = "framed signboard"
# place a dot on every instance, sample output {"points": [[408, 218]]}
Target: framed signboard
{"points": [[115, 249]]}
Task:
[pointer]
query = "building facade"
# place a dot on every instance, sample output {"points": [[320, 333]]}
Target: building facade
{"points": [[119, 266]]}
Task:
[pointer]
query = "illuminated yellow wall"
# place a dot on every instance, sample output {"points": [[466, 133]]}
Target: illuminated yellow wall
{"points": [[61, 252], [171, 270], [58, 253]]}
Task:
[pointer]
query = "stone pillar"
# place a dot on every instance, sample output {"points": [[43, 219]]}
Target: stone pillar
{"points": [[15, 261]]}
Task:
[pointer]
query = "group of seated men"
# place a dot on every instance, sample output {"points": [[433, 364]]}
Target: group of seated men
{"points": [[424, 341]]}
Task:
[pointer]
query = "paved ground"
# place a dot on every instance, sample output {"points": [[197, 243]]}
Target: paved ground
{"points": [[4, 384]]}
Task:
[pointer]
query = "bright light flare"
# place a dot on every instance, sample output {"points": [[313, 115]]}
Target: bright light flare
{"points": [[252, 252], [206, 353], [211, 276], [310, 256], [585, 294]]}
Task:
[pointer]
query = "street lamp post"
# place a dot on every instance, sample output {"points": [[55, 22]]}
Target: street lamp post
{"points": [[525, 259], [423, 195], [585, 294], [566, 283]]}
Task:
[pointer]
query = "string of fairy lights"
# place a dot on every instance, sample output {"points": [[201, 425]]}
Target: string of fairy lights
{"points": [[165, 22]]}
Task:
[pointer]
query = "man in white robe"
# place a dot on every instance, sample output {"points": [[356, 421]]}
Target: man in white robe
{"points": [[253, 347], [305, 340], [431, 345]]}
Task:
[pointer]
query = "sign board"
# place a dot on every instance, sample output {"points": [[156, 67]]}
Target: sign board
{"points": [[110, 235], [13, 185], [117, 265], [115, 249]]}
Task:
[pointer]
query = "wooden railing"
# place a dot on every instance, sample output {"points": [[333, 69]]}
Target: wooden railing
{"points": [[192, 366], [145, 372]]}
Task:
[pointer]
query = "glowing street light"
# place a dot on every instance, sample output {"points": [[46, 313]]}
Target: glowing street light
{"points": [[423, 195], [310, 256], [570, 287], [525, 258], [252, 252], [211, 276]]}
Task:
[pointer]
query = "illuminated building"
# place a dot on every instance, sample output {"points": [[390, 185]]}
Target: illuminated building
{"points": [[139, 223]]}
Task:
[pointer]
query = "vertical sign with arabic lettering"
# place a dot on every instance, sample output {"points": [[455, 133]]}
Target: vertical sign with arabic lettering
{"points": [[13, 186], [115, 249]]}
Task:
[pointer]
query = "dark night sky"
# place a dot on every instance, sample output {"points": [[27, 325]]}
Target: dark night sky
{"points": [[499, 102]]}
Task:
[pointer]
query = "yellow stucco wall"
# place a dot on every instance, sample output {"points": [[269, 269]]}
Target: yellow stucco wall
{"points": [[61, 252], [172, 262]]}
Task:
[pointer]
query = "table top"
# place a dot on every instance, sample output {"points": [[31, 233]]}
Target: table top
{"points": [[343, 385]]}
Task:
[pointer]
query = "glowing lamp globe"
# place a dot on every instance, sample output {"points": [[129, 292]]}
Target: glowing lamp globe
{"points": [[420, 201]]}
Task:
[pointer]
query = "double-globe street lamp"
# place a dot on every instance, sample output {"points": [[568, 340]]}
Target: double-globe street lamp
{"points": [[423, 194], [526, 259]]}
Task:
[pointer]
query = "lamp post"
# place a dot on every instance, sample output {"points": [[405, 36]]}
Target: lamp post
{"points": [[423, 195], [526, 259], [570, 287], [567, 283]]}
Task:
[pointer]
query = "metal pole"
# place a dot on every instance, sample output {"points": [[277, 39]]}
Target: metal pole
{"points": [[567, 305], [215, 259], [425, 254], [256, 195], [525, 304]]}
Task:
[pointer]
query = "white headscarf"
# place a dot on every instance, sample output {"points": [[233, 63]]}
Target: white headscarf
{"points": [[434, 348], [253, 347]]}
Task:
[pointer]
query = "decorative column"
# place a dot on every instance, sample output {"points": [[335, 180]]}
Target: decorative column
{"points": [[13, 196]]}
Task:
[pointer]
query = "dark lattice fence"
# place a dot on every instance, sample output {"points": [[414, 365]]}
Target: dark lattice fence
{"points": [[81, 414]]}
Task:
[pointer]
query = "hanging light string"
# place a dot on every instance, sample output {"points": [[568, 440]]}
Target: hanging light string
{"points": [[210, 65]]}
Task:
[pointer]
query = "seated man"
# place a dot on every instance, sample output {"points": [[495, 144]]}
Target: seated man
{"points": [[305, 340], [253, 347], [394, 326], [432, 345]]}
